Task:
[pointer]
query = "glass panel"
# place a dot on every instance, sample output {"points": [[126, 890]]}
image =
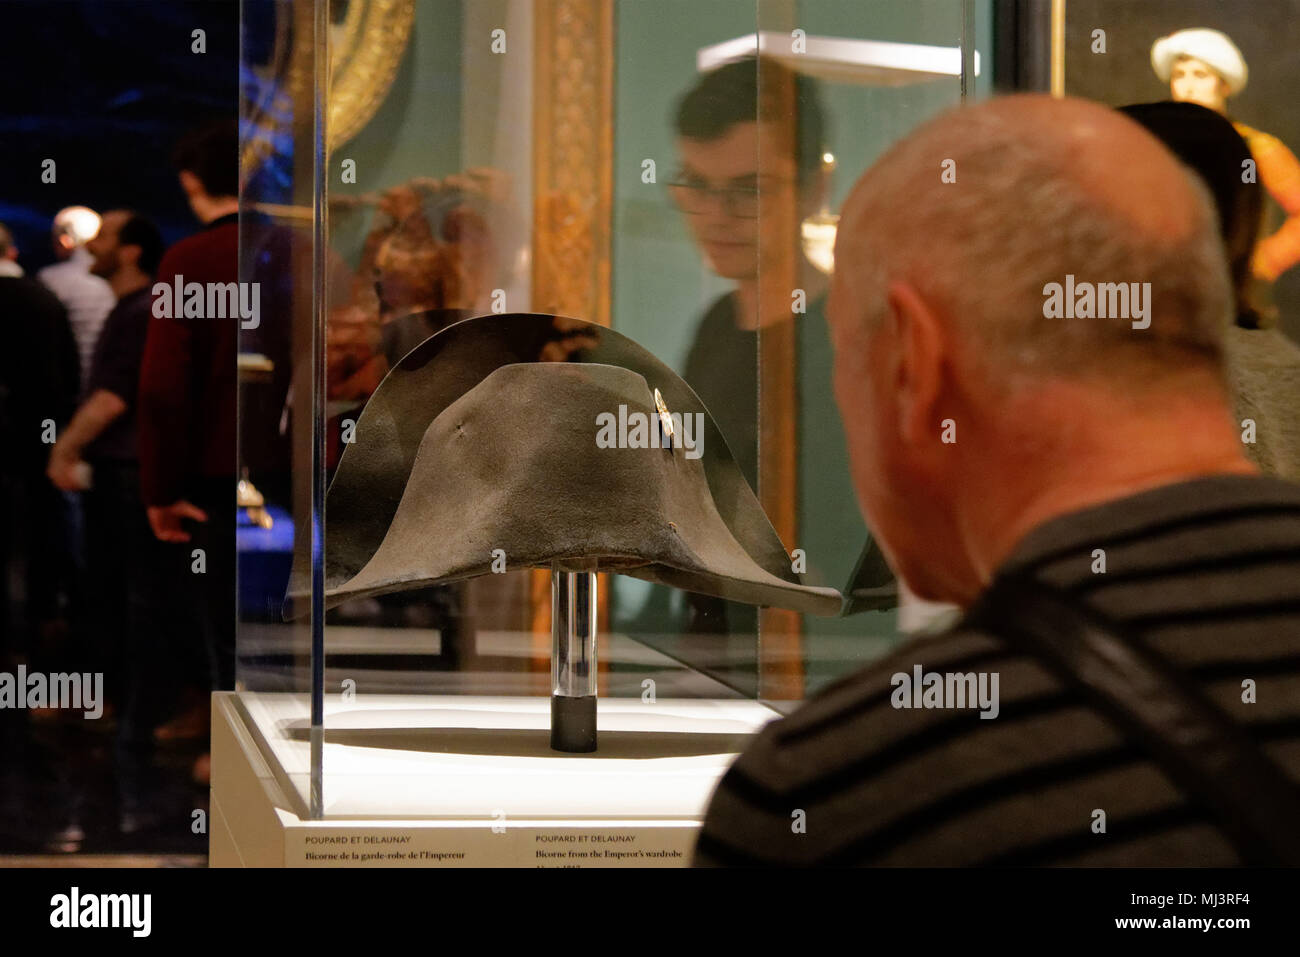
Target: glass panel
{"points": [[278, 172], [679, 149], [839, 82], [619, 163], [475, 167]]}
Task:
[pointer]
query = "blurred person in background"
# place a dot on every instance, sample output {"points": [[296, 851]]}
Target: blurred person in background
{"points": [[38, 390], [39, 381], [8, 253], [186, 411], [1204, 67], [87, 297], [1263, 363], [125, 585]]}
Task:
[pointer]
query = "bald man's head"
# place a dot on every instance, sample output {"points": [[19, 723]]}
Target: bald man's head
{"points": [[964, 380], [982, 207]]}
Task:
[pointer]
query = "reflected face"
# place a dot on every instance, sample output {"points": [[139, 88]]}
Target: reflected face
{"points": [[105, 247], [1194, 81], [725, 187]]}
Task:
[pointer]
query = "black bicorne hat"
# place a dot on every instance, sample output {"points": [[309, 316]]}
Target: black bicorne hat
{"points": [[486, 441]]}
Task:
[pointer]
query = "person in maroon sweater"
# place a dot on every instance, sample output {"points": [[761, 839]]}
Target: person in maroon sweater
{"points": [[187, 399]]}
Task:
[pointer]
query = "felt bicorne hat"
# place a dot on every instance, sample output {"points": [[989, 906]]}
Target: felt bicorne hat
{"points": [[1209, 46], [507, 436]]}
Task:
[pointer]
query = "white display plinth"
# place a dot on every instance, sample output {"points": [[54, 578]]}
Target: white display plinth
{"points": [[469, 781]]}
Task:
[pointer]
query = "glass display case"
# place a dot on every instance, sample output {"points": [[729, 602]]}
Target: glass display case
{"points": [[472, 222]]}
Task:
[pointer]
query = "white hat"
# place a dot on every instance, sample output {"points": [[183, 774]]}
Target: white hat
{"points": [[1209, 46]]}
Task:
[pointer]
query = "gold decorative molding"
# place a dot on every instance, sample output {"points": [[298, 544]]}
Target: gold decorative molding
{"points": [[573, 150], [573, 164], [366, 49], [780, 631], [1058, 48], [365, 52]]}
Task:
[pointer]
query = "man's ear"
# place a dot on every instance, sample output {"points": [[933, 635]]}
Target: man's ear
{"points": [[920, 350], [129, 255]]}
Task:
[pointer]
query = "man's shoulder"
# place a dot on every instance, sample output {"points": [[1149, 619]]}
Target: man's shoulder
{"points": [[188, 245], [877, 747], [720, 316], [30, 293], [131, 310], [715, 334], [72, 276], [214, 249], [57, 269], [872, 713]]}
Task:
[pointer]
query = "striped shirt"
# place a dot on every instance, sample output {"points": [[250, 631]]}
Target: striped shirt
{"points": [[88, 299], [1206, 571]]}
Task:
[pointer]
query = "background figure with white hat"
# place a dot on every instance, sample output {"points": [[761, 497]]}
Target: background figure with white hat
{"points": [[1204, 66]]}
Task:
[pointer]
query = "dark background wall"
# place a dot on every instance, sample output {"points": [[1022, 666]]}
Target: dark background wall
{"points": [[1266, 32], [105, 88]]}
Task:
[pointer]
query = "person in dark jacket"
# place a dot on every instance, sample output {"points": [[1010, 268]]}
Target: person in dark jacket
{"points": [[186, 405], [126, 613], [39, 380]]}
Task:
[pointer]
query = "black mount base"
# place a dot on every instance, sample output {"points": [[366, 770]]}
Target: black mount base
{"points": [[573, 724]]}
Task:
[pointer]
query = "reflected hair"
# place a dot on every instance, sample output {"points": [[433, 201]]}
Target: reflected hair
{"points": [[748, 90]]}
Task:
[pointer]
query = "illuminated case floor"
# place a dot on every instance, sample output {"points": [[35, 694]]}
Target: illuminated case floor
{"points": [[468, 780]]}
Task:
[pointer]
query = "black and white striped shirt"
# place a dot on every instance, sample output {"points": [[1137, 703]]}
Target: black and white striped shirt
{"points": [[1207, 571]]}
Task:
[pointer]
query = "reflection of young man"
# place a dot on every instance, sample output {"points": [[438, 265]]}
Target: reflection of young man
{"points": [[750, 140], [743, 164], [1205, 67]]}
